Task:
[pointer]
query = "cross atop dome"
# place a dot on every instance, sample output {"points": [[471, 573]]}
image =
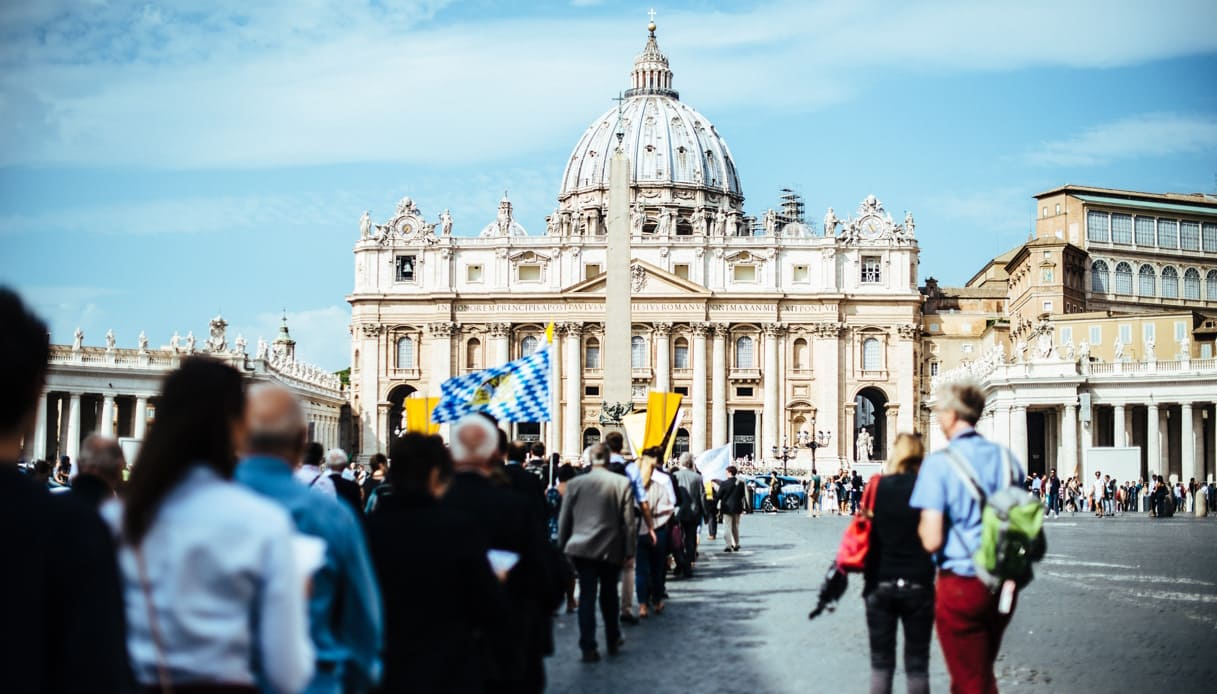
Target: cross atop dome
{"points": [[651, 74]]}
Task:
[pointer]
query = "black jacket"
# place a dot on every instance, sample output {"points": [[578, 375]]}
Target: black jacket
{"points": [[441, 598], [63, 627], [348, 491], [731, 496]]}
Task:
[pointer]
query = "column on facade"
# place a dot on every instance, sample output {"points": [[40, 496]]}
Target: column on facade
{"points": [[441, 355], [37, 451], [826, 350], [1001, 424], [663, 357], [573, 418], [140, 426], [500, 336], [772, 415], [554, 430], [906, 384], [372, 413], [697, 443], [1118, 423], [105, 426], [937, 439], [892, 411], [71, 447], [1187, 436], [718, 390], [1153, 440], [1069, 442], [1018, 432]]}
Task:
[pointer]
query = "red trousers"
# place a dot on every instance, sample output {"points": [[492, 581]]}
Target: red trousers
{"points": [[970, 630]]}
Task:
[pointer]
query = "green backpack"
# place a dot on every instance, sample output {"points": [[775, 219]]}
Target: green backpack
{"points": [[1012, 525]]}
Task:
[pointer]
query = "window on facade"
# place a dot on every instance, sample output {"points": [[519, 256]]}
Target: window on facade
{"points": [[528, 273], [1100, 280], [801, 362], [1168, 233], [1058, 208], [681, 270], [743, 353], [1044, 213], [473, 273], [1047, 275], [1189, 236], [1121, 228], [1145, 231], [1146, 281], [1096, 226], [1066, 334], [799, 274], [1123, 278], [1180, 330], [1126, 333], [1096, 334], [406, 265], [743, 392], [591, 354], [933, 368], [1210, 285], [680, 353], [638, 352], [1170, 283], [681, 390], [591, 270], [744, 273], [1047, 308], [871, 357], [1191, 284], [1210, 238], [1148, 332], [473, 354], [405, 353], [591, 391], [1206, 351], [871, 269], [528, 346]]}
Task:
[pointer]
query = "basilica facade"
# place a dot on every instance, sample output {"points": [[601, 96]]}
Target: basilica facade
{"points": [[776, 332]]}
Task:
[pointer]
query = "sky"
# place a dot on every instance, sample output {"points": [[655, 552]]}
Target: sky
{"points": [[164, 162]]}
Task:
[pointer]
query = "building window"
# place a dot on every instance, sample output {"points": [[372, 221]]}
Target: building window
{"points": [[591, 354], [1100, 280], [1170, 283], [680, 354], [1123, 278], [591, 437], [1180, 330], [681, 270], [1096, 335], [405, 268], [1191, 284], [405, 353], [682, 390], [743, 353], [1048, 306], [1148, 332], [1058, 208], [528, 273], [1146, 281], [1210, 285], [591, 391], [801, 362], [1210, 238], [1047, 275], [744, 273], [1044, 213], [1066, 335], [1168, 233], [1121, 228], [1206, 351], [1145, 231], [933, 368], [528, 346], [1189, 236], [473, 354], [591, 270], [1126, 333], [473, 273], [800, 274], [638, 352], [743, 392], [871, 357], [870, 269], [1096, 226]]}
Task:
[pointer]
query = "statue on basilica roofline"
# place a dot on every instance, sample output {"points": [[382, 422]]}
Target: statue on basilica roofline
{"points": [[190, 342], [831, 222], [78, 339], [1149, 350], [909, 225], [110, 340], [445, 223], [240, 344], [1084, 351], [1185, 348], [1117, 350], [143, 342], [175, 342], [365, 225], [771, 222], [637, 218]]}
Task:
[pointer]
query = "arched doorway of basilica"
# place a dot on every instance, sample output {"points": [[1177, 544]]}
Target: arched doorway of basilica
{"points": [[681, 444], [397, 398], [591, 436], [869, 406]]}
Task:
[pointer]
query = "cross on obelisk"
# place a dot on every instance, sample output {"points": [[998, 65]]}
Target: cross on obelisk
{"points": [[618, 323]]}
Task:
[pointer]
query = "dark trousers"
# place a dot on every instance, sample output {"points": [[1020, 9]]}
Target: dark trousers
{"points": [[913, 607], [970, 631], [598, 576], [712, 524], [1054, 503], [651, 570], [688, 553]]}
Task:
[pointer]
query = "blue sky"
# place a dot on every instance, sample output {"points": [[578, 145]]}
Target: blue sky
{"points": [[162, 162]]}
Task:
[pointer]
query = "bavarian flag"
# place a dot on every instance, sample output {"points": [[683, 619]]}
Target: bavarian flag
{"points": [[517, 391]]}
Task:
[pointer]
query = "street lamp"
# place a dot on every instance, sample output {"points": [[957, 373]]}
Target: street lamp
{"points": [[784, 453], [821, 440]]}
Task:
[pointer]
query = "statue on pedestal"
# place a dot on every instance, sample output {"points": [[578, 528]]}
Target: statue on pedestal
{"points": [[175, 341], [143, 343], [240, 344], [190, 342], [1185, 348], [263, 348], [445, 223], [1117, 350], [110, 341], [864, 446], [1084, 351], [770, 220], [365, 225], [637, 217], [830, 223], [78, 339], [1044, 345], [1149, 350], [908, 223]]}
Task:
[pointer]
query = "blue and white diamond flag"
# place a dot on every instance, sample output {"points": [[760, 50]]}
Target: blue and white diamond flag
{"points": [[517, 391]]}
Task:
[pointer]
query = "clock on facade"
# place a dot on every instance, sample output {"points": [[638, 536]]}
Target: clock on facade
{"points": [[870, 228]]}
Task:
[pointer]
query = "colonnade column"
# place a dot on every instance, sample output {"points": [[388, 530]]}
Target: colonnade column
{"points": [[140, 426], [38, 450], [1018, 433], [71, 447], [663, 358], [1153, 440], [1001, 426], [718, 390], [1118, 423], [1187, 435], [697, 444], [1069, 436], [573, 417], [106, 426], [772, 414]]}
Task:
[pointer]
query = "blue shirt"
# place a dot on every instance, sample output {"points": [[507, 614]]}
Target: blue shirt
{"points": [[635, 475], [940, 488], [345, 618]]}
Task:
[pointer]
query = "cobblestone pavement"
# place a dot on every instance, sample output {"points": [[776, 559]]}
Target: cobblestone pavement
{"points": [[1122, 604]]}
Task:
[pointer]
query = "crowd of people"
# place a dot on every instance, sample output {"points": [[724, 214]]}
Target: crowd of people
{"points": [[1105, 497]]}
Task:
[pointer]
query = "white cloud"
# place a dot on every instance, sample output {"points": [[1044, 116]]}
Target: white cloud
{"points": [[321, 334], [266, 84], [1139, 136]]}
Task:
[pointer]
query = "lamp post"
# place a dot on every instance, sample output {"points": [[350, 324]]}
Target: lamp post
{"points": [[821, 440], [784, 453]]}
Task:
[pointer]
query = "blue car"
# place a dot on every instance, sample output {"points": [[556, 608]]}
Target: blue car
{"points": [[791, 494]]}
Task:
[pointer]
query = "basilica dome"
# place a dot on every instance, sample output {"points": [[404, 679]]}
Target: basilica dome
{"points": [[669, 143]]}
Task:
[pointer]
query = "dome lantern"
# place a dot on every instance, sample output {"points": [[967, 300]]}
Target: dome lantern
{"points": [[651, 73]]}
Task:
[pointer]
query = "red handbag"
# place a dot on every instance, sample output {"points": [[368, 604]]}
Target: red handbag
{"points": [[855, 543]]}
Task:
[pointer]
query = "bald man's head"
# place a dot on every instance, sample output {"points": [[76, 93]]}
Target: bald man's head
{"points": [[275, 422], [474, 442]]}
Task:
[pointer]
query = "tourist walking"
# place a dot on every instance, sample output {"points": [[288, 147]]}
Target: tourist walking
{"points": [[731, 502], [212, 590], [310, 471], [100, 468], [692, 508], [596, 530], [337, 461], [1098, 490], [652, 555], [899, 576], [969, 623]]}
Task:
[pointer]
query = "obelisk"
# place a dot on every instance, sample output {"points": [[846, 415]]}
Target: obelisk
{"points": [[618, 324]]}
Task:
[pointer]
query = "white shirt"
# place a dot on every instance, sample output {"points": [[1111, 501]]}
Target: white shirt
{"points": [[224, 585], [662, 496], [313, 476], [1097, 489]]}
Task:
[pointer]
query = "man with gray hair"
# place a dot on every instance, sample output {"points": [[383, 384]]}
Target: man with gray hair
{"points": [[596, 530], [336, 462], [100, 470], [691, 496]]}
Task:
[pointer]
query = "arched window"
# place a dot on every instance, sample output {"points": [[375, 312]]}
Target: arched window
{"points": [[1100, 278], [871, 355], [1145, 281], [680, 353], [591, 354], [1210, 285], [405, 353], [473, 354], [1191, 284], [1170, 283], [743, 353], [800, 355], [591, 437], [528, 346], [1123, 278], [638, 352]]}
